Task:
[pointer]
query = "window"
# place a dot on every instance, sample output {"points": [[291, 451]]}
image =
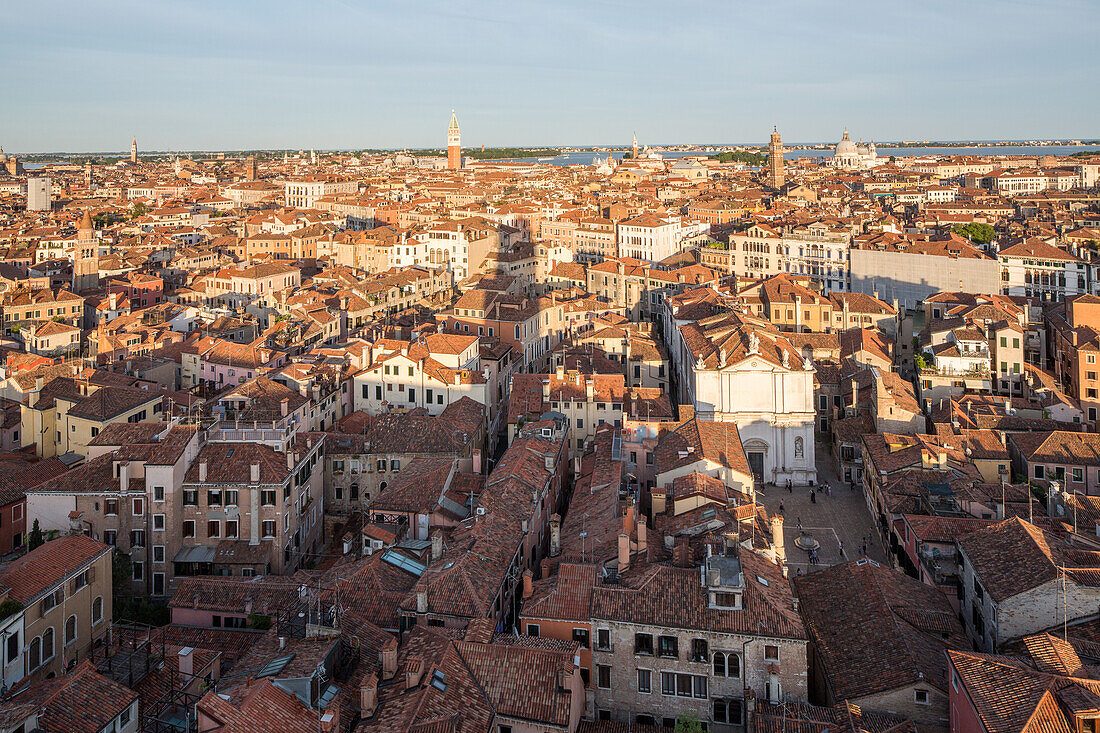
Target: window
{"points": [[97, 610], [668, 683], [667, 646], [78, 582], [581, 637], [137, 538], [728, 712], [603, 676], [158, 521], [727, 664], [699, 651], [126, 717], [232, 528], [771, 653], [13, 647], [1078, 475], [139, 571], [1040, 471], [381, 465], [603, 640], [158, 493], [214, 497], [231, 497], [267, 497], [70, 630], [158, 553], [110, 507], [644, 680], [138, 506], [214, 528], [532, 629], [110, 537], [921, 697], [268, 528], [189, 528], [190, 497], [34, 654], [47, 645], [395, 465], [643, 644]]}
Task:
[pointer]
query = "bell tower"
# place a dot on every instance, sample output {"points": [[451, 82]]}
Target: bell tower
{"points": [[776, 177], [133, 151], [86, 256], [454, 145]]}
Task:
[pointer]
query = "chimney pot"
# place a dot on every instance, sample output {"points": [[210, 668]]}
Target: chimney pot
{"points": [[624, 552], [528, 584], [202, 470]]}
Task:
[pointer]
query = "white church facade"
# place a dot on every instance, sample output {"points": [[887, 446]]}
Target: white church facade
{"points": [[738, 369]]}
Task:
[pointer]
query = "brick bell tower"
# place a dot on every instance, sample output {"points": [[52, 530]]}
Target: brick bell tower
{"points": [[454, 145], [776, 177]]}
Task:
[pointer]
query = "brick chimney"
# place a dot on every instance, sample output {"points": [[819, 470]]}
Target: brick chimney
{"points": [[368, 695], [389, 660], [202, 470], [624, 552], [681, 552], [528, 585], [186, 658]]}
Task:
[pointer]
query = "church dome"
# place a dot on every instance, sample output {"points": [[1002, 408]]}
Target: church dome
{"points": [[846, 147]]}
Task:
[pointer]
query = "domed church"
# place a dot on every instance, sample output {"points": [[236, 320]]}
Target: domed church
{"points": [[849, 155]]}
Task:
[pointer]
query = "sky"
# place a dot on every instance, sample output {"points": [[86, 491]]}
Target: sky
{"points": [[350, 74]]}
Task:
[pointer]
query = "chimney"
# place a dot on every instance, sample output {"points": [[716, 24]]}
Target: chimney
{"points": [[39, 383], [642, 536], [202, 470], [422, 601], [186, 658], [589, 389], [389, 660], [555, 535], [628, 520], [124, 476], [546, 389], [560, 371], [681, 552], [254, 473], [368, 695], [282, 642], [941, 459], [777, 539], [284, 406], [528, 586], [624, 552], [290, 460], [437, 546]]}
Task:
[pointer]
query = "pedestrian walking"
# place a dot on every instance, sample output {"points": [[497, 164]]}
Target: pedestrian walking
{"points": [[781, 508], [840, 548], [798, 572], [790, 486], [813, 497], [799, 524]]}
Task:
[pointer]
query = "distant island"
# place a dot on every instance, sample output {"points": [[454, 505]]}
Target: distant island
{"points": [[740, 156]]}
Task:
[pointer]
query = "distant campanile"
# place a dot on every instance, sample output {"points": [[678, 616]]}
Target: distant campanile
{"points": [[454, 144], [133, 151], [775, 161]]}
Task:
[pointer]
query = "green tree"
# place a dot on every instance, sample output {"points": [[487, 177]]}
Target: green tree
{"points": [[35, 538], [688, 724], [976, 232], [139, 209]]}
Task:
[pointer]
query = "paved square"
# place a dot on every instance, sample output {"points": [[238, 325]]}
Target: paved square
{"points": [[832, 520]]}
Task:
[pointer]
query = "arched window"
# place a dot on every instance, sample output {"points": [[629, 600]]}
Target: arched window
{"points": [[97, 610], [34, 654], [47, 644], [382, 486], [70, 630]]}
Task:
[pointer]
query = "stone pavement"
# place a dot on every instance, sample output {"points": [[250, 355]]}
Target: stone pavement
{"points": [[840, 518]]}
